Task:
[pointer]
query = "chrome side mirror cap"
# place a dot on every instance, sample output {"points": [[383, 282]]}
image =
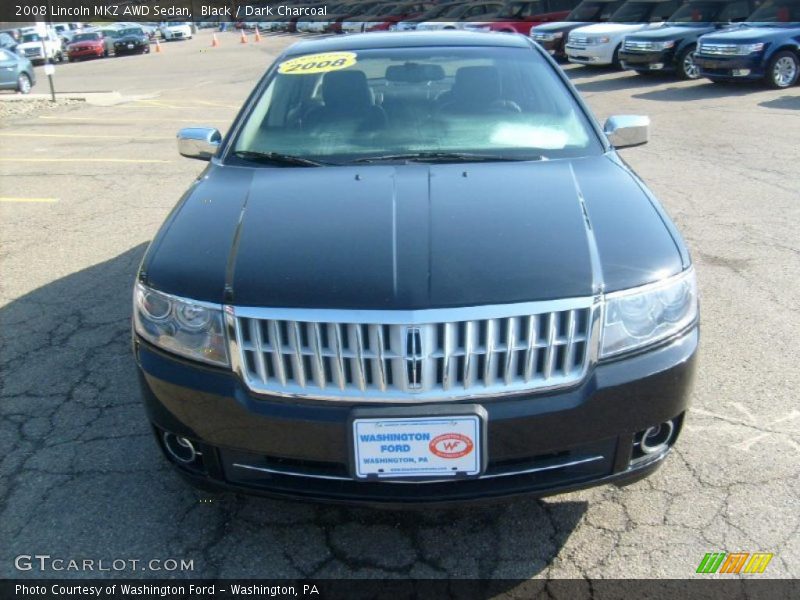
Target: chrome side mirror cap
{"points": [[199, 142], [624, 131]]}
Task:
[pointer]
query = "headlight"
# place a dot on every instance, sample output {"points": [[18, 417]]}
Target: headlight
{"points": [[646, 315], [744, 49], [192, 329], [598, 40], [547, 37], [663, 45]]}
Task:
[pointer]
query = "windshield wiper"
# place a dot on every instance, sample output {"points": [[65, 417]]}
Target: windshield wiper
{"points": [[444, 157], [278, 158]]}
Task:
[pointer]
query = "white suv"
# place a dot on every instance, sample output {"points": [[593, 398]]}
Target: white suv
{"points": [[176, 31], [599, 44]]}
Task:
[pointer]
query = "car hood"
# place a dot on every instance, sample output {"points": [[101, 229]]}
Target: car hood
{"points": [[411, 236], [129, 38], [745, 35], [671, 32], [25, 45], [611, 28], [559, 26], [85, 43]]}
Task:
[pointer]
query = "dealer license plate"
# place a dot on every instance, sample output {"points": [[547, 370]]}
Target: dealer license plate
{"points": [[417, 447], [130, 46]]}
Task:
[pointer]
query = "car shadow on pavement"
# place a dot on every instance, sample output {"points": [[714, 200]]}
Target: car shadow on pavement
{"points": [[625, 81], [81, 475], [784, 102], [703, 90]]}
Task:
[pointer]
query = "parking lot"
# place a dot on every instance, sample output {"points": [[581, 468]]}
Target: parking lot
{"points": [[84, 188]]}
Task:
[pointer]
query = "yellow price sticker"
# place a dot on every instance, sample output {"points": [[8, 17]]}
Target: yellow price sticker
{"points": [[317, 63]]}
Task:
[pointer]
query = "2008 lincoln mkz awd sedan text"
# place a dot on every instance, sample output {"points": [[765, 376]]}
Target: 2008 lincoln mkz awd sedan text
{"points": [[415, 270]]}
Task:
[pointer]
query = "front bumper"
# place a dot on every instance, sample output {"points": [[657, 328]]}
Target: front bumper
{"points": [[660, 60], [597, 54], [86, 52], [731, 67], [130, 48], [553, 47], [537, 444]]}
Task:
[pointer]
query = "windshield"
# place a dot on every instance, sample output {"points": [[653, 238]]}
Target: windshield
{"points": [[31, 37], [634, 12], [86, 37], [702, 12], [594, 11], [437, 11], [777, 11], [131, 31], [506, 103], [520, 10]]}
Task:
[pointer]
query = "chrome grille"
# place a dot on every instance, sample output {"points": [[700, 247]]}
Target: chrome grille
{"points": [[719, 49], [578, 39], [398, 356], [639, 46]]}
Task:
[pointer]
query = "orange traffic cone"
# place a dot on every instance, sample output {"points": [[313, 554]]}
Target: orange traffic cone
{"points": [[258, 36], [214, 41], [158, 46], [244, 38]]}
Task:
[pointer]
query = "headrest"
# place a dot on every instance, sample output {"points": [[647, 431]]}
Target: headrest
{"points": [[347, 88]]}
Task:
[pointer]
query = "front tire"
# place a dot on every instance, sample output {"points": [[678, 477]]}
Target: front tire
{"points": [[615, 61], [687, 68], [783, 71], [24, 83]]}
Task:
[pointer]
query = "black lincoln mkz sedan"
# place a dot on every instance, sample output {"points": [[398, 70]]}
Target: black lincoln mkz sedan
{"points": [[415, 270]]}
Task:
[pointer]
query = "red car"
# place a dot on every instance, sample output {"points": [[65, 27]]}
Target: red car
{"points": [[520, 15], [403, 12], [86, 45]]}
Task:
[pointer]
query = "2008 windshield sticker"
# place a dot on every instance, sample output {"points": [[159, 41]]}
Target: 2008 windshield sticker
{"points": [[318, 63]]}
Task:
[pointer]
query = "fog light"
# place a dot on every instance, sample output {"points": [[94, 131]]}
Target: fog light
{"points": [[656, 66], [741, 72], [180, 448], [656, 439]]}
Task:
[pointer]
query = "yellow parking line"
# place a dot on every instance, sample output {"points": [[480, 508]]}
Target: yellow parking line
{"points": [[85, 160], [28, 199], [69, 135]]}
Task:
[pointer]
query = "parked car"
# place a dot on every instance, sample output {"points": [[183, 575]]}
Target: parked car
{"points": [[38, 48], [86, 44], [359, 23], [131, 40], [462, 15], [403, 11], [351, 11], [600, 44], [110, 34], [672, 47], [8, 42], [766, 47], [436, 12], [553, 36], [519, 16], [16, 72], [486, 301], [13, 32], [176, 30]]}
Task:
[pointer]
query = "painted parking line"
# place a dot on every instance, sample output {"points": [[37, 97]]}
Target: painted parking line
{"points": [[12, 199], [86, 160], [85, 136]]}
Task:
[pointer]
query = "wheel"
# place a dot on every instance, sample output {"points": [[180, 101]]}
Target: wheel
{"points": [[146, 50], [24, 83], [783, 70], [687, 68], [615, 62], [105, 53]]}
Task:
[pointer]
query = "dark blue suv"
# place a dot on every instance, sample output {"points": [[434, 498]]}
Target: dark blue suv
{"points": [[766, 46], [672, 47]]}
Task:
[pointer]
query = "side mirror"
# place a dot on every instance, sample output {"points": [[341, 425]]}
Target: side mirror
{"points": [[624, 131], [199, 142]]}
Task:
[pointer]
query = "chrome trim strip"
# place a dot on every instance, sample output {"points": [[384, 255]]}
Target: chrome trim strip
{"points": [[449, 479]]}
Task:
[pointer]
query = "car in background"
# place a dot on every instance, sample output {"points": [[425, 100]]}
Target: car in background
{"points": [[462, 15], [14, 33], [86, 44], [553, 36], [110, 33], [766, 47], [131, 40], [176, 30], [358, 23], [600, 44], [39, 48], [438, 11], [16, 72], [403, 11], [671, 48], [8, 42], [66, 31], [519, 16]]}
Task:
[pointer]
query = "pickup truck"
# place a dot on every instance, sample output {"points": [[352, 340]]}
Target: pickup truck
{"points": [[39, 48]]}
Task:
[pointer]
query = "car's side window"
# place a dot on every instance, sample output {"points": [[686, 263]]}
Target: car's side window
{"points": [[664, 11], [737, 11]]}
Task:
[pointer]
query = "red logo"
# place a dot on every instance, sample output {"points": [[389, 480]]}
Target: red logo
{"points": [[451, 445]]}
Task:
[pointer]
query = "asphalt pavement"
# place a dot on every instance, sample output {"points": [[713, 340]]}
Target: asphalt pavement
{"points": [[83, 188]]}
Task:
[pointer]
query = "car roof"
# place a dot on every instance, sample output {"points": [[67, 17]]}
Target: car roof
{"points": [[409, 39]]}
